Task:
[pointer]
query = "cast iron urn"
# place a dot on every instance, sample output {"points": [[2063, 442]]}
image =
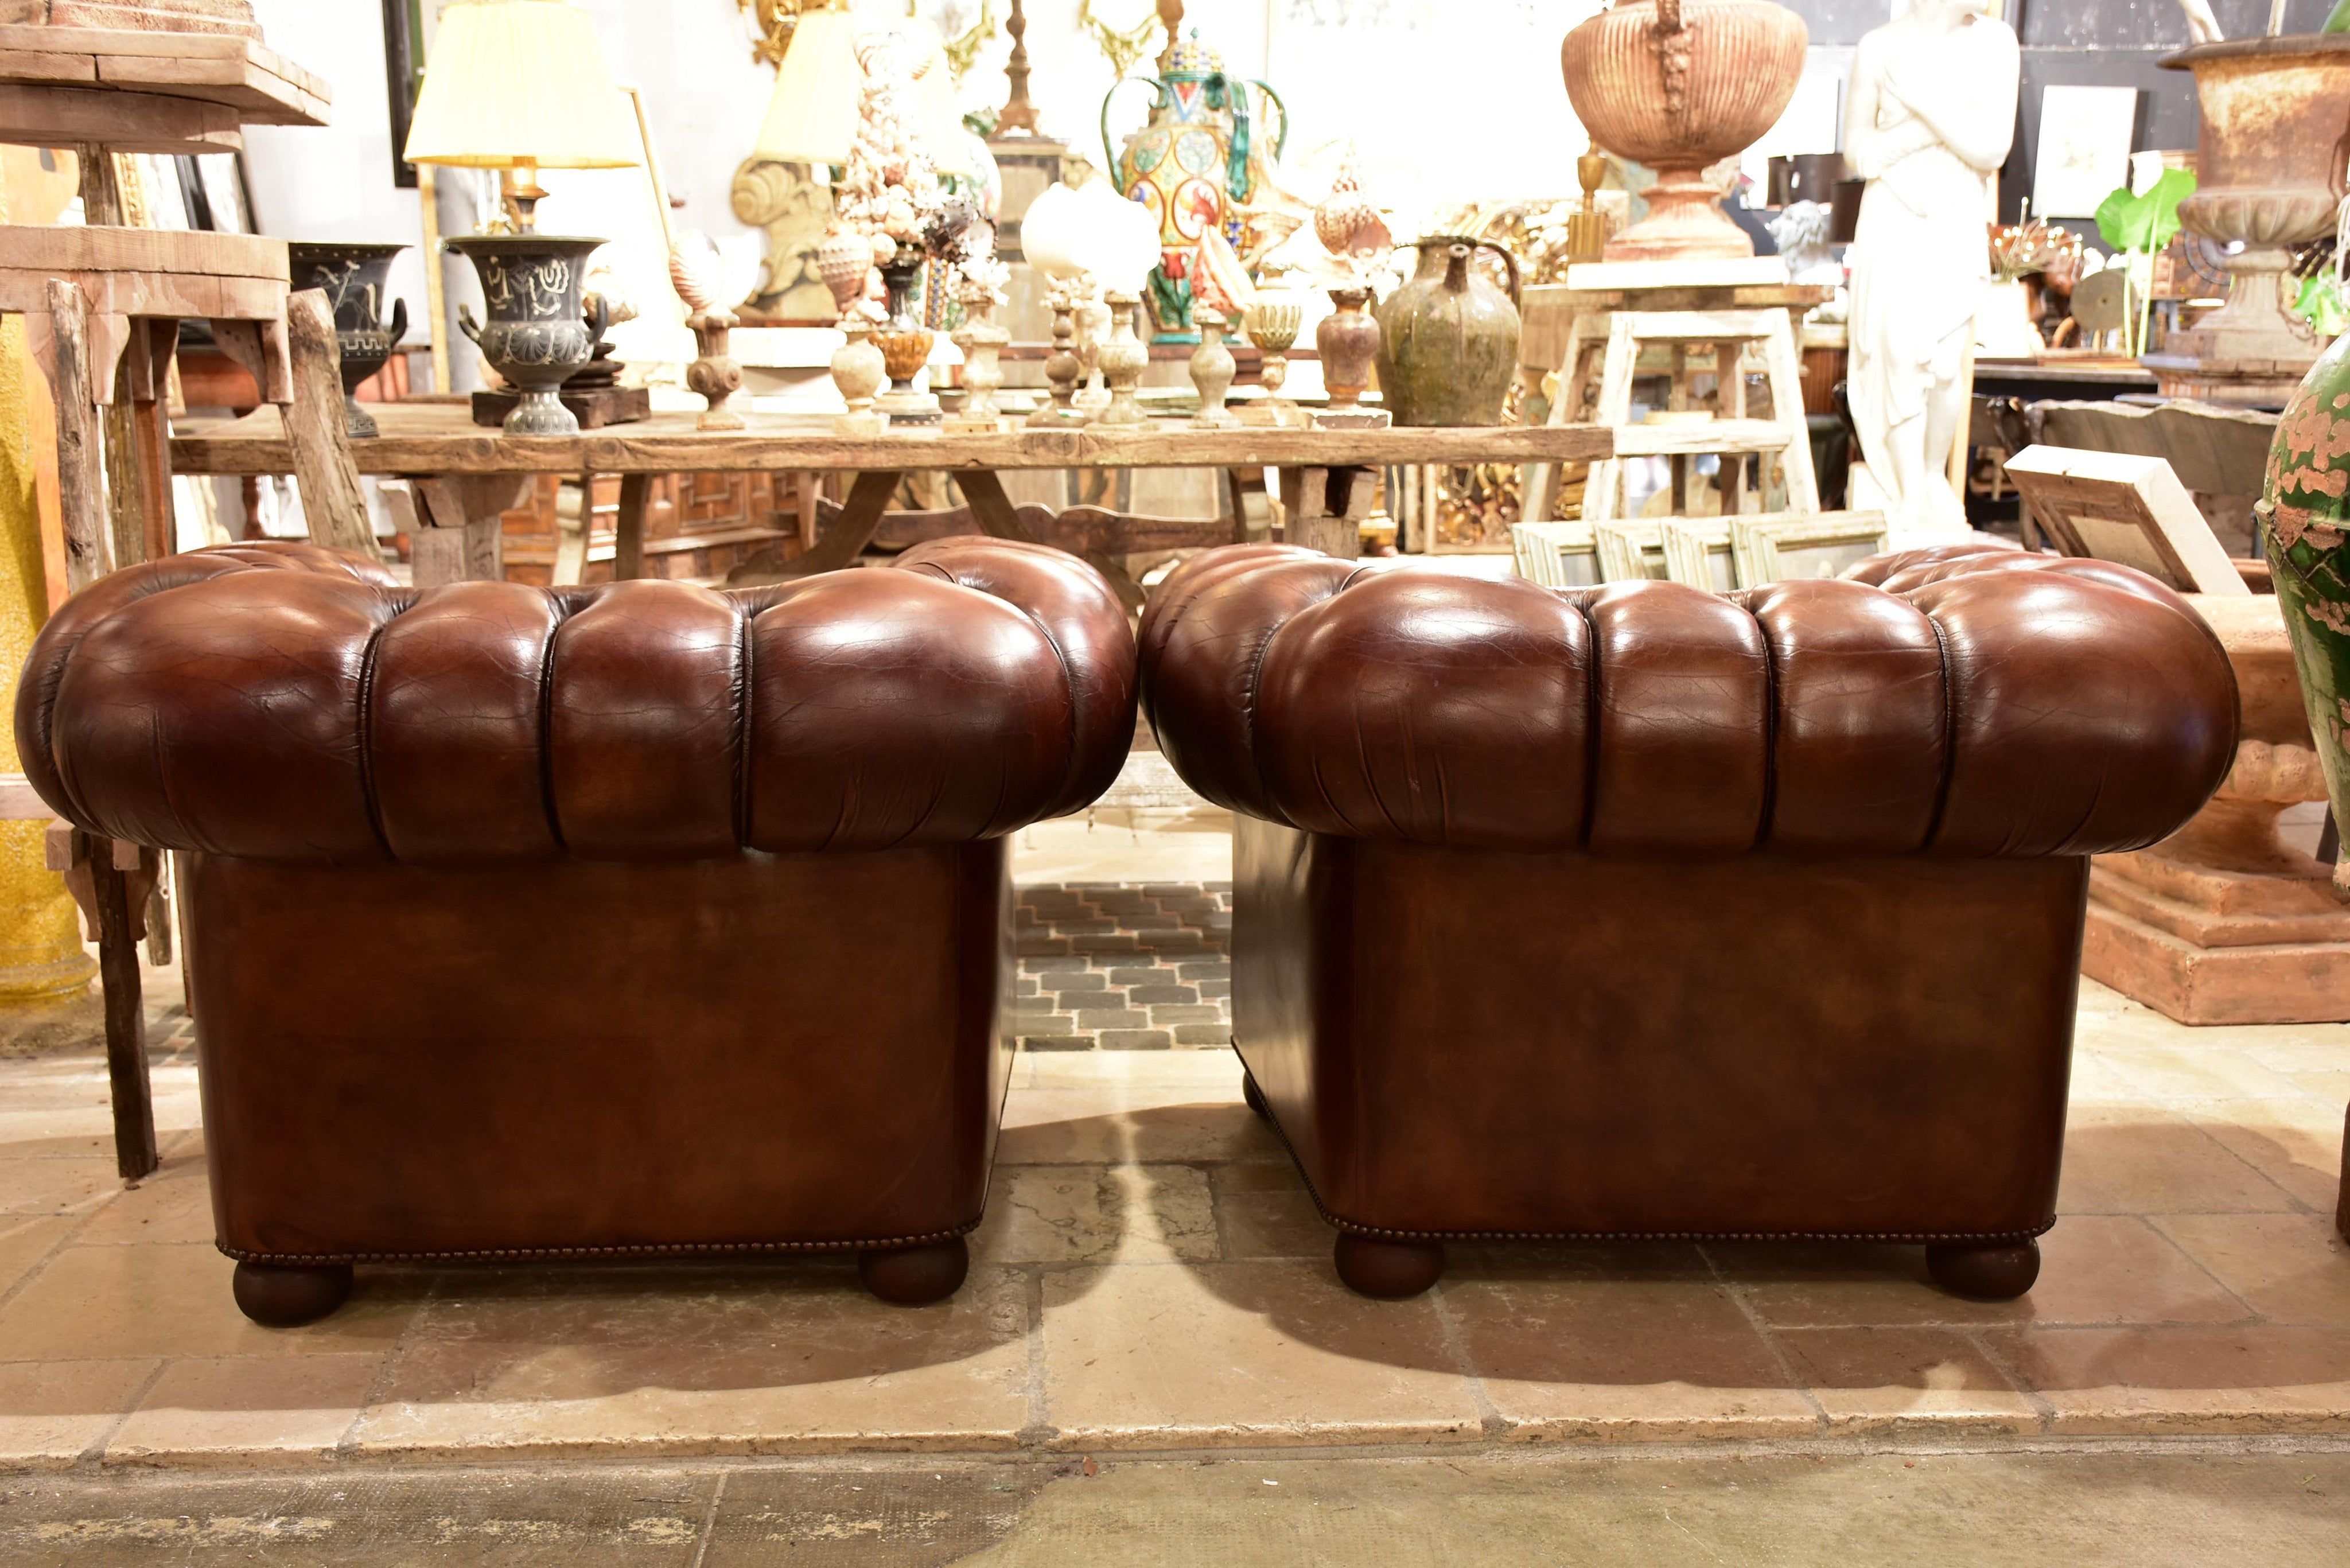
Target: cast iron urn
{"points": [[537, 335], [355, 278]]}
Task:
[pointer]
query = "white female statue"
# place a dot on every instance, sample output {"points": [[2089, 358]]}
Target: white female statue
{"points": [[1929, 119]]}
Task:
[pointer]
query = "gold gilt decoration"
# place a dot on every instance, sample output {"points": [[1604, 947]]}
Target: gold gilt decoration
{"points": [[963, 53], [1121, 48], [775, 20]]}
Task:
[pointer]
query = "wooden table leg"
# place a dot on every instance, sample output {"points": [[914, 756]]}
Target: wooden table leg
{"points": [[629, 528], [327, 476], [853, 530], [1326, 508], [466, 540], [101, 873], [991, 506]]}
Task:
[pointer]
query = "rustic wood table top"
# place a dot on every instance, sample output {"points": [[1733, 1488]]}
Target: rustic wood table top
{"points": [[434, 439]]}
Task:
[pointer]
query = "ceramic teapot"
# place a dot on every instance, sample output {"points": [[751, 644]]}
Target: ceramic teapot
{"points": [[1201, 157], [1449, 339]]}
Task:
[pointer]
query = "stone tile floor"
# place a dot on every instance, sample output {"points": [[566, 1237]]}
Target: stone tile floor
{"points": [[1110, 966], [1152, 1277]]}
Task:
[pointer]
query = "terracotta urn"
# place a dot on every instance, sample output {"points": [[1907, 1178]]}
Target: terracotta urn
{"points": [[858, 369], [2270, 175], [1678, 85]]}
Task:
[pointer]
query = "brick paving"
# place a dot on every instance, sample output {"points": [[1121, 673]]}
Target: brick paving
{"points": [[1112, 966]]}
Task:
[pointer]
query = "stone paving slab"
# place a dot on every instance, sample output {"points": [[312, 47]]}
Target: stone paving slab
{"points": [[1152, 1277], [1516, 1509]]}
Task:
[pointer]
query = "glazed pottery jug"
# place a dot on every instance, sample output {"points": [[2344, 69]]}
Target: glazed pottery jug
{"points": [[536, 336], [1449, 339], [1197, 160], [2305, 517], [1681, 84], [355, 278]]}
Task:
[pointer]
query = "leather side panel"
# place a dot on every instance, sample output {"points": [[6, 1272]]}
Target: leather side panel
{"points": [[745, 1052]]}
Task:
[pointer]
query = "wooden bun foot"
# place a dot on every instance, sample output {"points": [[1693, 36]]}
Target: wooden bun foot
{"points": [[1388, 1271], [1984, 1274], [1253, 1095], [916, 1276], [280, 1297]]}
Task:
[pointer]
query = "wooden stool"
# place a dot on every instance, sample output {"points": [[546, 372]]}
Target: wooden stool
{"points": [[1616, 339]]}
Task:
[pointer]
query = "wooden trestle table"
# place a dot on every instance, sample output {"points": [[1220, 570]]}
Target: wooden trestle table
{"points": [[466, 474]]}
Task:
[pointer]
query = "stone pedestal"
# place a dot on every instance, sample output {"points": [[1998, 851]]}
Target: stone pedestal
{"points": [[2223, 922]]}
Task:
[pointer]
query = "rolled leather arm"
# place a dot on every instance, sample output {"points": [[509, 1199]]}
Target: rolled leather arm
{"points": [[1986, 709], [324, 715]]}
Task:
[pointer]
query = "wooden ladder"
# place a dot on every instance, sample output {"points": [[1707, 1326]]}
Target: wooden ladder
{"points": [[1616, 339]]}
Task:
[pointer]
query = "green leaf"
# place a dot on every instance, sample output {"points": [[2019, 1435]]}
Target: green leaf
{"points": [[2145, 223], [2321, 304]]}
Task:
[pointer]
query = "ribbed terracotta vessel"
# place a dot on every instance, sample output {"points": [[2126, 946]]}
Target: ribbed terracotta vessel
{"points": [[1678, 85]]}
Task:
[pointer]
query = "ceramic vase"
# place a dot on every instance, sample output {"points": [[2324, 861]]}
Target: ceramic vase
{"points": [[1123, 359], [858, 369], [536, 338], [2305, 518], [1349, 341], [1212, 369], [1449, 339], [355, 278]]}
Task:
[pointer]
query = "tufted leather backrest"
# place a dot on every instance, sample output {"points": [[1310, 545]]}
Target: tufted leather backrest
{"points": [[282, 702], [1975, 706]]}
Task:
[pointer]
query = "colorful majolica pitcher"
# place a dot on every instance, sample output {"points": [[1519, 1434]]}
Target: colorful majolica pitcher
{"points": [[2307, 515], [1197, 162]]}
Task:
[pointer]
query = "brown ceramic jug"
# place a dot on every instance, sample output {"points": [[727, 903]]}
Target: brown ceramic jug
{"points": [[1449, 339]]}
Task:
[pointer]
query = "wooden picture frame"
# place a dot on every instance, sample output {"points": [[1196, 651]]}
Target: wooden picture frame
{"points": [[1631, 552], [1701, 553], [1557, 555], [2127, 509], [1804, 546]]}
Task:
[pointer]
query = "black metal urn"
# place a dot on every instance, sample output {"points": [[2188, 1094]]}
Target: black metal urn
{"points": [[355, 278], [538, 334]]}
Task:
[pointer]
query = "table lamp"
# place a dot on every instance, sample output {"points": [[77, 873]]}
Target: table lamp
{"points": [[812, 117], [519, 86]]}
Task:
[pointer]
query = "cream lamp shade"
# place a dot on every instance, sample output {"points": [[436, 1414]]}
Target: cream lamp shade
{"points": [[943, 136], [517, 84], [812, 119]]}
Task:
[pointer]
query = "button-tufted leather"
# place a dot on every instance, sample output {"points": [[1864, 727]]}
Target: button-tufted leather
{"points": [[283, 703], [1643, 911], [1982, 704]]}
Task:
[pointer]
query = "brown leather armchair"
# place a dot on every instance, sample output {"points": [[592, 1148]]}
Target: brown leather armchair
{"points": [[1642, 913], [598, 922]]}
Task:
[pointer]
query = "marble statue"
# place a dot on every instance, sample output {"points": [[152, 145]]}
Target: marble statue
{"points": [[1928, 121], [2201, 26]]}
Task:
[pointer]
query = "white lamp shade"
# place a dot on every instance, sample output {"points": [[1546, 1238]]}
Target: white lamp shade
{"points": [[520, 82], [812, 119], [1052, 232], [934, 90], [1121, 238]]}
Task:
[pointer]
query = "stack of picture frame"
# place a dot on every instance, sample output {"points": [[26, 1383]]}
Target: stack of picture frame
{"points": [[1719, 554]]}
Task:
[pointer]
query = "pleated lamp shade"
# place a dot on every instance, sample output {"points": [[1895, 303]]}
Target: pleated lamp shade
{"points": [[519, 83], [812, 119]]}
